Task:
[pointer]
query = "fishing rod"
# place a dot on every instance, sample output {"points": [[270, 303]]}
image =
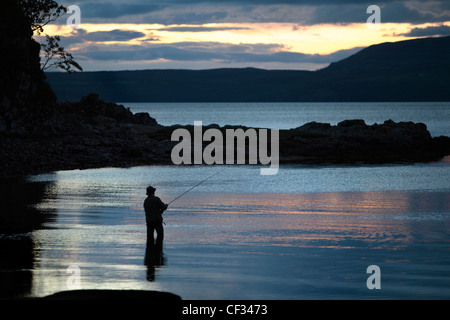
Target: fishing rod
{"points": [[196, 185]]}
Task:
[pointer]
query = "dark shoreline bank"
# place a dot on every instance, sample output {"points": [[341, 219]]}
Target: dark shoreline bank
{"points": [[111, 294], [151, 301]]}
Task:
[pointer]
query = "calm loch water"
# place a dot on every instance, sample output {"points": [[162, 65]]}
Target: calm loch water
{"points": [[245, 236]]}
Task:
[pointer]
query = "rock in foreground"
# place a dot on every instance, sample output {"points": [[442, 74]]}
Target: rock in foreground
{"points": [[94, 294]]}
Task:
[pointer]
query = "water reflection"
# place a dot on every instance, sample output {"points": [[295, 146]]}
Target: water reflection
{"points": [[333, 220], [18, 251], [154, 258], [215, 234]]}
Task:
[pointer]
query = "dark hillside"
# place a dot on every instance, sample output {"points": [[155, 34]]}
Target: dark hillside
{"points": [[412, 70]]}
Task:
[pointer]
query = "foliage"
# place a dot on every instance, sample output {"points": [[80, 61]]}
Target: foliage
{"points": [[39, 13], [56, 57]]}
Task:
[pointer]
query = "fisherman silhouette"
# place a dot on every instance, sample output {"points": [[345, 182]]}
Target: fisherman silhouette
{"points": [[154, 209]]}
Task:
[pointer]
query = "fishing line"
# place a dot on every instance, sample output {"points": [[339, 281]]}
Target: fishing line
{"points": [[196, 185]]}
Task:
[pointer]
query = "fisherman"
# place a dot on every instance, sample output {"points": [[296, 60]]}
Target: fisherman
{"points": [[154, 209]]}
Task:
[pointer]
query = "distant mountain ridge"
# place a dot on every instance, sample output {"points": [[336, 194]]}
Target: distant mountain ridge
{"points": [[410, 70]]}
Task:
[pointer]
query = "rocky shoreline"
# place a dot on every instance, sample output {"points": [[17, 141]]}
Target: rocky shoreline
{"points": [[93, 133]]}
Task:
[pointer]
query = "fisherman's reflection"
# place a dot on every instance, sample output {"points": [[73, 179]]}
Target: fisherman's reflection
{"points": [[154, 208], [154, 257]]}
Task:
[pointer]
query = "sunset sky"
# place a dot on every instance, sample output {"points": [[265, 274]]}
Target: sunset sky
{"points": [[270, 34]]}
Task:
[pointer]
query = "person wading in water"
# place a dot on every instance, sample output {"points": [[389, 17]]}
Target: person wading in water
{"points": [[154, 208]]}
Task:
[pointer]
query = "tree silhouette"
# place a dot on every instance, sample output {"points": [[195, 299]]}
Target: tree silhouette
{"points": [[56, 57], [39, 13]]}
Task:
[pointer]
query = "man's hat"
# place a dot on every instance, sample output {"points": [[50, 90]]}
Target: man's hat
{"points": [[150, 190]]}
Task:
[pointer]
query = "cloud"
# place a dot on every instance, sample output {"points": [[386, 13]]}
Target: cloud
{"points": [[113, 35], [406, 12], [395, 12], [428, 31], [305, 12], [189, 15], [210, 51], [81, 35], [200, 29], [115, 9]]}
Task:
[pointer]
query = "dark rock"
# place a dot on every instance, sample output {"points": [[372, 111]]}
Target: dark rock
{"points": [[92, 294], [314, 126], [352, 141], [153, 302], [145, 119], [93, 109], [352, 123], [441, 145]]}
